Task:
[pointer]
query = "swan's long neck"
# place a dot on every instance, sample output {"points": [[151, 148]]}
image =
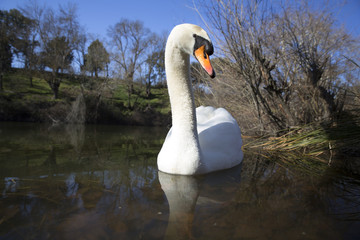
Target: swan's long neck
{"points": [[181, 154], [177, 66]]}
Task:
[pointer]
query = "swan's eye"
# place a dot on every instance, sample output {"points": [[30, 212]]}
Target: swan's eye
{"points": [[202, 42]]}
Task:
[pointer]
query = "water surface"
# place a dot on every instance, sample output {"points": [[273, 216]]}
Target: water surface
{"points": [[102, 182]]}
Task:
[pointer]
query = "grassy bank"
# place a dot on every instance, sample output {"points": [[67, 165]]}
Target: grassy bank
{"points": [[103, 104], [312, 146]]}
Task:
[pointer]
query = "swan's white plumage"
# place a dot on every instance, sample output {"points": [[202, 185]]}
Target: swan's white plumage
{"points": [[219, 138], [202, 140]]}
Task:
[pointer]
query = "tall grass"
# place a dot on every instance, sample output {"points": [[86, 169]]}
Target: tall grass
{"points": [[315, 139]]}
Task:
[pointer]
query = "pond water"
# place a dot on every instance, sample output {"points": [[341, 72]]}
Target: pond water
{"points": [[102, 182]]}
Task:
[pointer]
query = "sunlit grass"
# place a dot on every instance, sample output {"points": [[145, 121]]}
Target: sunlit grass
{"points": [[115, 100]]}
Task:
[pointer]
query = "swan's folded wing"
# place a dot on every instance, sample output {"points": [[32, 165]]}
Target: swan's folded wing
{"points": [[220, 138]]}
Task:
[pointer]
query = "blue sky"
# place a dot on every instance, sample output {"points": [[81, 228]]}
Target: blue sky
{"points": [[161, 15], [157, 15]]}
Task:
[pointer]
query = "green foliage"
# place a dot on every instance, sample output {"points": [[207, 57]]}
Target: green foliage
{"points": [[16, 31], [97, 58], [5, 47], [57, 54], [20, 29], [5, 55]]}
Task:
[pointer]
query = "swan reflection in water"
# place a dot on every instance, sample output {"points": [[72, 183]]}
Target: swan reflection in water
{"points": [[185, 193]]}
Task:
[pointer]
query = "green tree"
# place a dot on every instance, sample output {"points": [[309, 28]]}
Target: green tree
{"points": [[5, 45], [57, 56], [5, 48], [97, 58], [5, 59], [23, 39], [60, 35]]}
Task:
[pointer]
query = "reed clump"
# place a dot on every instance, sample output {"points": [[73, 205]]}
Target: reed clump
{"points": [[341, 137]]}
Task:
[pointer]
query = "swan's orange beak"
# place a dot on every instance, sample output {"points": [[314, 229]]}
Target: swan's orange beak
{"points": [[204, 60]]}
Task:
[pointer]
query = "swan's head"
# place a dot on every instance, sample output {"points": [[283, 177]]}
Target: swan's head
{"points": [[194, 41]]}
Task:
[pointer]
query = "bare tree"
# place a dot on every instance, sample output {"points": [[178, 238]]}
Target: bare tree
{"points": [[154, 63], [59, 36], [289, 65], [129, 40], [80, 52]]}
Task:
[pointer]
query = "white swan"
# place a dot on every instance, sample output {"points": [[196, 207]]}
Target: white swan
{"points": [[202, 140]]}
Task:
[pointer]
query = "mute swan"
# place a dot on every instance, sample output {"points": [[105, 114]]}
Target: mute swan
{"points": [[202, 140]]}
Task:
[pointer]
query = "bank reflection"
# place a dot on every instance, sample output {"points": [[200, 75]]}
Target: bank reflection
{"points": [[103, 183]]}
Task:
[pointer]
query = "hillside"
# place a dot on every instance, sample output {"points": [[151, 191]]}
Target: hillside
{"points": [[102, 101]]}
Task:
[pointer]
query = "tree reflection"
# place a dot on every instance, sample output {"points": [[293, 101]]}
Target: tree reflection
{"points": [[76, 136], [90, 181], [103, 183]]}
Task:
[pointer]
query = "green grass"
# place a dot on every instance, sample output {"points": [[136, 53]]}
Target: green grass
{"points": [[18, 93], [18, 82], [158, 100]]}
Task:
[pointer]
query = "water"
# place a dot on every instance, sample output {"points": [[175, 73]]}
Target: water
{"points": [[101, 182]]}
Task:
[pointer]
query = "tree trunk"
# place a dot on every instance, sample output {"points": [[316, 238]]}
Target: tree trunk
{"points": [[314, 76], [1, 81], [56, 90], [129, 99], [30, 77], [54, 84], [132, 88], [148, 88], [98, 102]]}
